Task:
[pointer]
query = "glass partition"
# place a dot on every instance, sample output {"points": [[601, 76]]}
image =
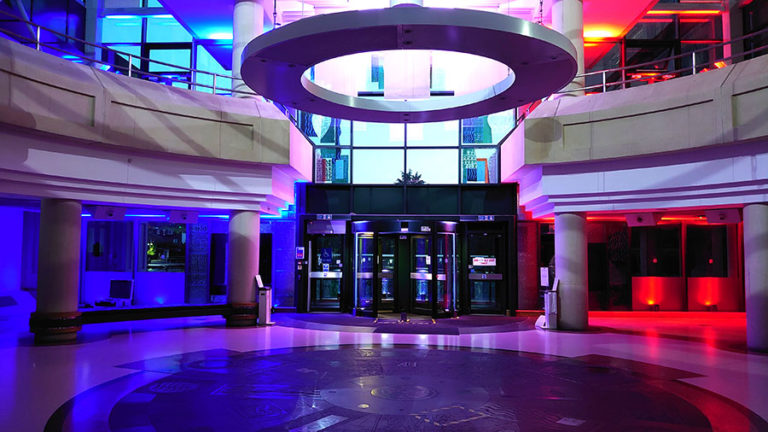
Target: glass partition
{"points": [[164, 247], [364, 263], [387, 271], [446, 272], [109, 246], [421, 273]]}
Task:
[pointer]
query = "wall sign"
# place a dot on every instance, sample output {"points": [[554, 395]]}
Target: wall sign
{"points": [[483, 261], [300, 252]]}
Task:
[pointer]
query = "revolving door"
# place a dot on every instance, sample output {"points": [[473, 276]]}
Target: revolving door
{"points": [[407, 266]]}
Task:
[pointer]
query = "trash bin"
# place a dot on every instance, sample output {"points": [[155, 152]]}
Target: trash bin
{"points": [[549, 319], [265, 306], [550, 309]]}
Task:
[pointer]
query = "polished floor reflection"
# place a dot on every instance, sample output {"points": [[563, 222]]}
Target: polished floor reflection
{"points": [[629, 372], [369, 388]]}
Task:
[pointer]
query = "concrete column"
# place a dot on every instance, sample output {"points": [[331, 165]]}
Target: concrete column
{"points": [[756, 275], [568, 19], [571, 269], [56, 318], [247, 23], [243, 257]]}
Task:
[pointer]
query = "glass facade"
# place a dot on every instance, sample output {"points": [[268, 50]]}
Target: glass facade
{"points": [[155, 34], [448, 152]]}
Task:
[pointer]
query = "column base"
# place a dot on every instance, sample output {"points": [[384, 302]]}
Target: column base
{"points": [[55, 327], [242, 315]]}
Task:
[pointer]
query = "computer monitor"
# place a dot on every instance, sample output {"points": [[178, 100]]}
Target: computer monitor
{"points": [[121, 289]]}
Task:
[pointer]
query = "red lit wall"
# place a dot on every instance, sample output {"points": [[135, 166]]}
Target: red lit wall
{"points": [[667, 292], [709, 291]]}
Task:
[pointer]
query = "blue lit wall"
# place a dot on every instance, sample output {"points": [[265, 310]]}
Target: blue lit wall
{"points": [[11, 219], [283, 268]]}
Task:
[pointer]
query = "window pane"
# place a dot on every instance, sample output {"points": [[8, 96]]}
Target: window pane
{"points": [[206, 62], [378, 134], [479, 165], [121, 58], [109, 246], [178, 57], [331, 165], [165, 28], [487, 129], [163, 247], [656, 251], [706, 251], [121, 28], [121, 3], [377, 166], [701, 28], [433, 134], [434, 166], [324, 130]]}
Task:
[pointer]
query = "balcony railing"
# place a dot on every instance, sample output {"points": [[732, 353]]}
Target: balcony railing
{"points": [[109, 59]]}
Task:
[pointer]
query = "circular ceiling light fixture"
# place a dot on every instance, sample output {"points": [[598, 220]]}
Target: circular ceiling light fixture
{"points": [[541, 61]]}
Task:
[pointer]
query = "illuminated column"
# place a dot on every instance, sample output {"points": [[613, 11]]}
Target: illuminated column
{"points": [[571, 269], [247, 23], [56, 318], [243, 256], [756, 274], [568, 19]]}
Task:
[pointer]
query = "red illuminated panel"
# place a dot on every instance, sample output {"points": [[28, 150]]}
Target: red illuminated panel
{"points": [[714, 291], [608, 20], [667, 292]]}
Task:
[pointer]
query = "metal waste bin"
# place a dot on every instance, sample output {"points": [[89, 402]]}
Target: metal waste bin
{"points": [[265, 306], [550, 309]]}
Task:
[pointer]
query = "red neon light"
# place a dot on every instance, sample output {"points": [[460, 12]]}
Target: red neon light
{"points": [[655, 261], [695, 20], [701, 41], [606, 219], [659, 20], [684, 12], [684, 218]]}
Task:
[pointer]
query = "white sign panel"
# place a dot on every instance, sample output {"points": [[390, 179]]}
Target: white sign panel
{"points": [[483, 261], [544, 276]]}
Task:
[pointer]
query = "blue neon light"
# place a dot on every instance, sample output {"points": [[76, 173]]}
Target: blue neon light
{"points": [[146, 215]]}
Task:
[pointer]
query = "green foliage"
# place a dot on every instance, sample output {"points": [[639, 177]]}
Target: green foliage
{"points": [[409, 178]]}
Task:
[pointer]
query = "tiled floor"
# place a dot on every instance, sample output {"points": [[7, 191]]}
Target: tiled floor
{"points": [[629, 372]]}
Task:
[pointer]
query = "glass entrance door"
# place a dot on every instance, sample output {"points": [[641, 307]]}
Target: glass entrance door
{"points": [[485, 264], [445, 251], [421, 274], [326, 258], [405, 266], [387, 277], [365, 299]]}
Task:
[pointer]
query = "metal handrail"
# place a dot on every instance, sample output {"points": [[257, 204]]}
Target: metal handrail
{"points": [[39, 44], [130, 70], [694, 65]]}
